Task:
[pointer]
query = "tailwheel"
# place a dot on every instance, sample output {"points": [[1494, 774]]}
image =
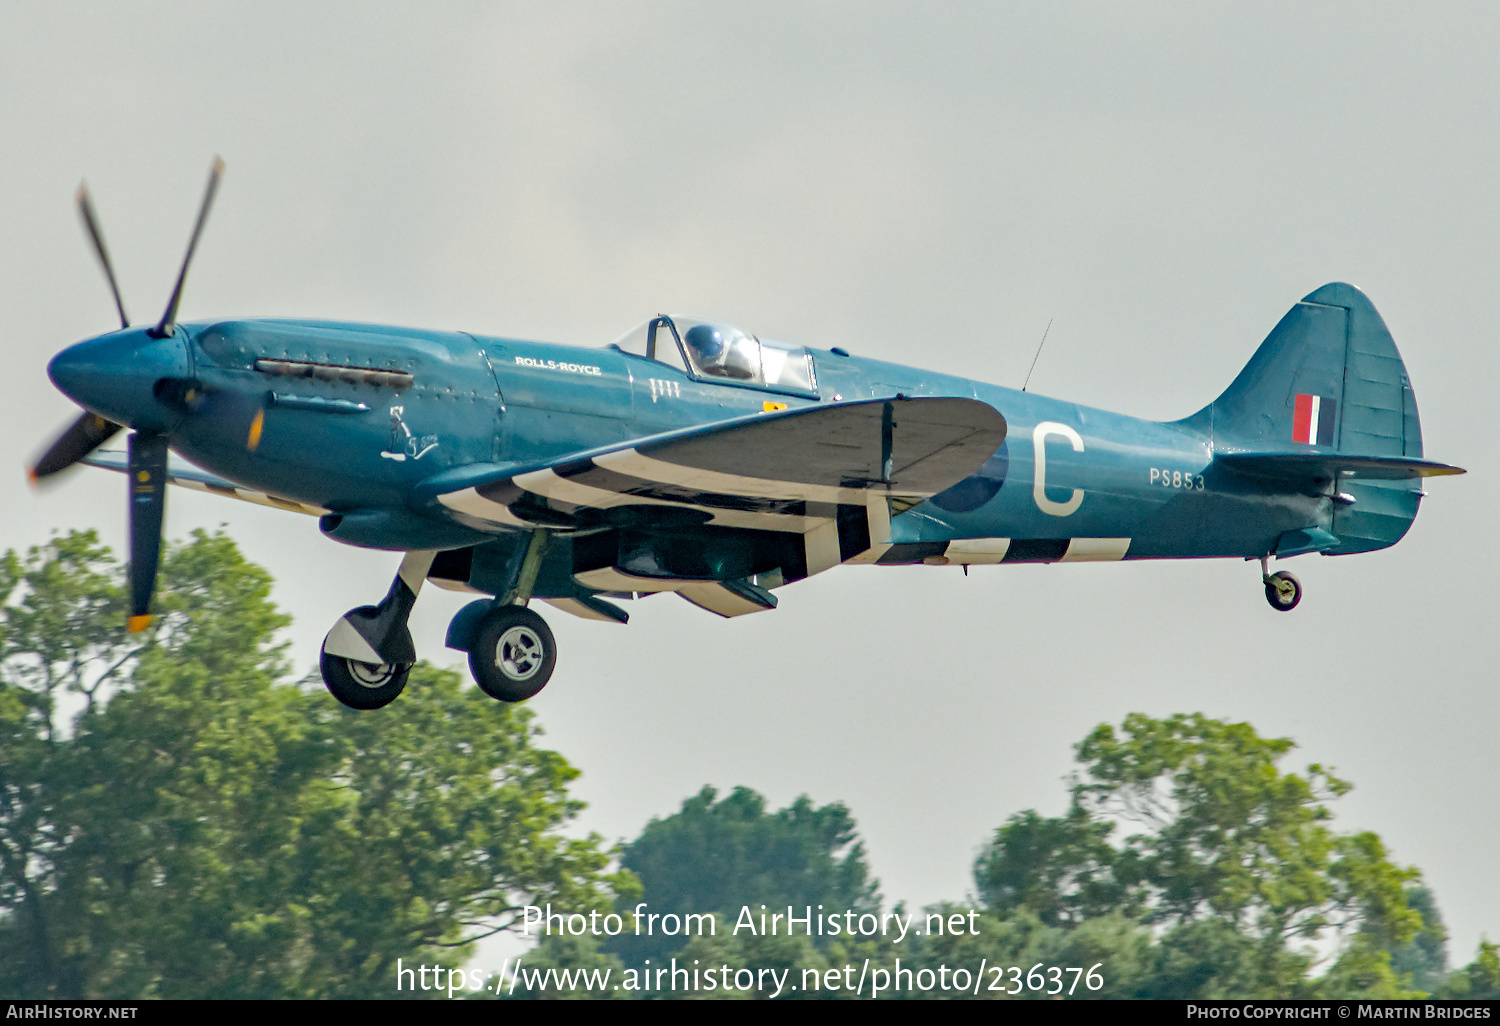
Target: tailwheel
{"points": [[513, 654], [1283, 591]]}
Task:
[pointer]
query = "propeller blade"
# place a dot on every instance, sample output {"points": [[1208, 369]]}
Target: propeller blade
{"points": [[82, 437], [169, 319], [91, 222], [148, 503]]}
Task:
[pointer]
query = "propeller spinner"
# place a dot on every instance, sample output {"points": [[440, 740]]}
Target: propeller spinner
{"points": [[132, 377]]}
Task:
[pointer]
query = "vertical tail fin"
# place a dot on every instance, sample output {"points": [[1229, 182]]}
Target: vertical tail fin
{"points": [[1329, 378], [1328, 375]]}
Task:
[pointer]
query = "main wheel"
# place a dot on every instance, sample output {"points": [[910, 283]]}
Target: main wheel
{"points": [[1283, 591], [362, 685], [513, 654]]}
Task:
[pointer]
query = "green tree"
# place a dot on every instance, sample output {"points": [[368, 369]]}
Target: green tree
{"points": [[1234, 866], [720, 856], [1424, 959], [573, 955], [735, 959], [1480, 979], [1010, 944], [176, 821], [1209, 958], [1062, 870]]}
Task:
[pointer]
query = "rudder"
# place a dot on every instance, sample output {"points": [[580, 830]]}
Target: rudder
{"points": [[1329, 378]]}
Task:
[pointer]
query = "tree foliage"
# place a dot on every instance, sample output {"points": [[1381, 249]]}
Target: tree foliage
{"points": [[176, 821], [1479, 979], [717, 856], [1425, 957], [1233, 865], [1062, 870]]}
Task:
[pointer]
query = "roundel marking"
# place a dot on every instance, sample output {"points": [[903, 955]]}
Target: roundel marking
{"points": [[978, 488]]}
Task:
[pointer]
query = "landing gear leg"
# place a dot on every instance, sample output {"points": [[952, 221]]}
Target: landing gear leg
{"points": [[369, 652], [1283, 591], [511, 650]]}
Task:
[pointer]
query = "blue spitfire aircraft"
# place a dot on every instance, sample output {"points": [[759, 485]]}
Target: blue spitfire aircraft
{"points": [[694, 458]]}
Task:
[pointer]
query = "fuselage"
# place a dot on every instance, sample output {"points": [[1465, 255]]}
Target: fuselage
{"points": [[366, 420]]}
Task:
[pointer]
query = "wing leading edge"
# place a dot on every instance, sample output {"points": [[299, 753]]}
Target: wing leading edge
{"points": [[203, 481]]}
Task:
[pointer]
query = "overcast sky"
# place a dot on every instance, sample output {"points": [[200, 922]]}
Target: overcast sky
{"points": [[925, 183]]}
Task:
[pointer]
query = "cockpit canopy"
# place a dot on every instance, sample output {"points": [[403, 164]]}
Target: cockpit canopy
{"points": [[721, 352]]}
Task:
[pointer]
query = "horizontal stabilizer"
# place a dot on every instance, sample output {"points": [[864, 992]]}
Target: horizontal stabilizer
{"points": [[1323, 466]]}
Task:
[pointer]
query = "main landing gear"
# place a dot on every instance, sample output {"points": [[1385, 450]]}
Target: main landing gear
{"points": [[369, 653], [1283, 591], [512, 654], [511, 649]]}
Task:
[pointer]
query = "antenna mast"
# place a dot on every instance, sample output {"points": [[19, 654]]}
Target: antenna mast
{"points": [[1038, 354]]}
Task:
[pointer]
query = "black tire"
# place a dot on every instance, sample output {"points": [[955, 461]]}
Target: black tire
{"points": [[1281, 597], [513, 654], [362, 685]]}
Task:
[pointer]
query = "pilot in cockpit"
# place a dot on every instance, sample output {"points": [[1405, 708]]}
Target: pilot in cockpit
{"points": [[726, 352]]}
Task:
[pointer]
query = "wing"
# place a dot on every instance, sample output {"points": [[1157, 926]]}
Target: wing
{"points": [[203, 481], [830, 474], [784, 471]]}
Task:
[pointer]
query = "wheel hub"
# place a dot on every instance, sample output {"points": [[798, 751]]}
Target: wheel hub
{"points": [[519, 653], [371, 675]]}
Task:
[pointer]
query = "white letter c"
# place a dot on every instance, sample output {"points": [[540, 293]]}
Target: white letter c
{"points": [[1039, 483]]}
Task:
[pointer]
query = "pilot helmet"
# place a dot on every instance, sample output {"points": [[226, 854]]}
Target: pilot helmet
{"points": [[706, 342]]}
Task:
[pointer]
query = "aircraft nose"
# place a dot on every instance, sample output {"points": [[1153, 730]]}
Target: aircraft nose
{"points": [[121, 377]]}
